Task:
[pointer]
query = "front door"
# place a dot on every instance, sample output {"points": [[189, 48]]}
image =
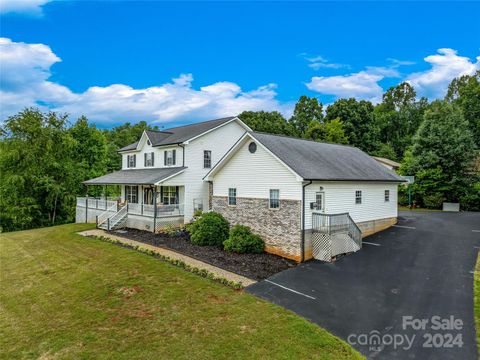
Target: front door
{"points": [[320, 201], [148, 196]]}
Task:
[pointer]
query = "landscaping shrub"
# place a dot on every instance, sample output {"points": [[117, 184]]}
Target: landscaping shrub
{"points": [[210, 229], [242, 240], [433, 201]]}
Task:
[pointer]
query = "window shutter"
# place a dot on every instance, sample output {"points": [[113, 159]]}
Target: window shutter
{"points": [[177, 198], [153, 160], [128, 161], [165, 158], [135, 160], [173, 155], [145, 159]]}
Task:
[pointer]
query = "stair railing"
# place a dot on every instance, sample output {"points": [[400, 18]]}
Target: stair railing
{"points": [[117, 217], [106, 214], [336, 223]]}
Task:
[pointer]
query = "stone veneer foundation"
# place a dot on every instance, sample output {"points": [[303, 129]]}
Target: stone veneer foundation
{"points": [[280, 228]]}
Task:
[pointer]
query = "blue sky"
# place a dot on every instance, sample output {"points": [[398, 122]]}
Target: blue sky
{"points": [[170, 63]]}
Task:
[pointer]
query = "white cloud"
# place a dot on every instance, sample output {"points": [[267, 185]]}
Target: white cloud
{"points": [[317, 62], [360, 85], [432, 83], [446, 65], [33, 7], [25, 72], [396, 63]]}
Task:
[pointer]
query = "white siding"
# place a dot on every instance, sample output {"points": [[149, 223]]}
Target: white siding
{"points": [[158, 157], [340, 198], [253, 175], [218, 142]]}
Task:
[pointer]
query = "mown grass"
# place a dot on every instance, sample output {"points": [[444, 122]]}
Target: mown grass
{"points": [[66, 296], [476, 299]]}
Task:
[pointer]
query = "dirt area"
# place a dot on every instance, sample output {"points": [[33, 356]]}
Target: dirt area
{"points": [[253, 266]]}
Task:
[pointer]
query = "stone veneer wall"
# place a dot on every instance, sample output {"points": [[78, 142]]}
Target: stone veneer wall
{"points": [[280, 228], [210, 194]]}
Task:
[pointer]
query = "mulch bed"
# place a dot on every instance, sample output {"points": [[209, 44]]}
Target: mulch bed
{"points": [[253, 266]]}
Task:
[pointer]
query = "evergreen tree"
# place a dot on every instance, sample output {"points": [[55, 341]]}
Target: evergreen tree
{"points": [[441, 156], [465, 92]]}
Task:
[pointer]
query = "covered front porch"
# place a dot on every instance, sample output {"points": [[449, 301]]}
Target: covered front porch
{"points": [[143, 203]]}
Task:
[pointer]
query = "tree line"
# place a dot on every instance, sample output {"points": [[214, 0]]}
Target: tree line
{"points": [[44, 158]]}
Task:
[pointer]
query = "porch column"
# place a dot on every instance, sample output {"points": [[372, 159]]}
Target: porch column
{"points": [[154, 209], [86, 206]]}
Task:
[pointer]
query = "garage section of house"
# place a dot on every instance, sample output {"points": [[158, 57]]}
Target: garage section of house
{"points": [[306, 199]]}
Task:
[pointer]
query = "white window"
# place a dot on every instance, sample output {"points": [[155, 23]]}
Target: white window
{"points": [[169, 157], [169, 195], [131, 161], [148, 159], [358, 197], [387, 195], [319, 198], [274, 199], [131, 194], [232, 196], [207, 159]]}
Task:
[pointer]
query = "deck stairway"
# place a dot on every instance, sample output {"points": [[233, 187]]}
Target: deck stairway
{"points": [[334, 234], [112, 219]]}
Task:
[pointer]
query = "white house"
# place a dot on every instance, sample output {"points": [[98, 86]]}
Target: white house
{"points": [[306, 198], [162, 171]]}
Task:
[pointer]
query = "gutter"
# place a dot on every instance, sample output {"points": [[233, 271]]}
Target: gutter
{"points": [[302, 259]]}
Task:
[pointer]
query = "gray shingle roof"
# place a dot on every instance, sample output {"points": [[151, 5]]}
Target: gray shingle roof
{"points": [[135, 177], [314, 160], [179, 134]]}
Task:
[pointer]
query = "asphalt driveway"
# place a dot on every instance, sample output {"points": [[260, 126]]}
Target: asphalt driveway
{"points": [[406, 295]]}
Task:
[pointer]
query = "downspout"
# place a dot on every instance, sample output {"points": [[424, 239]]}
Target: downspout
{"points": [[303, 220], [183, 154]]}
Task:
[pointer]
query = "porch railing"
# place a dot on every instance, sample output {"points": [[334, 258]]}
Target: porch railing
{"points": [[96, 203], [336, 223], [156, 211]]}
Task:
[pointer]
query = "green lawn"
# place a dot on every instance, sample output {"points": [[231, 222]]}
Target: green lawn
{"points": [[66, 296]]}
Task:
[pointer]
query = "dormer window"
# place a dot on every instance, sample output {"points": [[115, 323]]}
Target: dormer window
{"points": [[169, 157], [131, 161], [149, 157]]}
